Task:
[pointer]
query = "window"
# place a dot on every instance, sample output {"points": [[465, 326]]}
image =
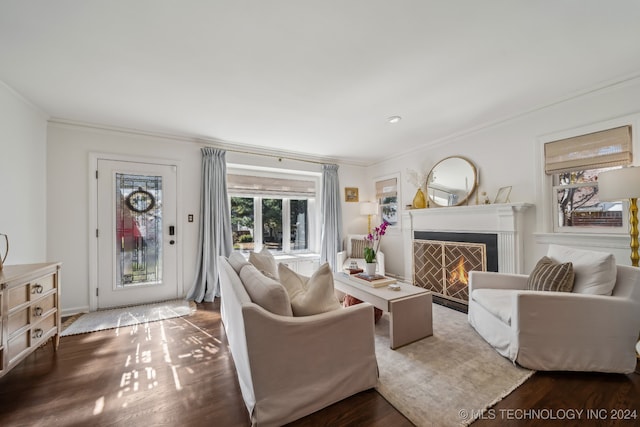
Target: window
{"points": [[274, 212], [242, 222], [299, 224], [577, 203], [387, 197], [574, 164]]}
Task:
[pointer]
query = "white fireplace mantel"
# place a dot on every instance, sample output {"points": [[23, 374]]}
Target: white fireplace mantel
{"points": [[504, 220]]}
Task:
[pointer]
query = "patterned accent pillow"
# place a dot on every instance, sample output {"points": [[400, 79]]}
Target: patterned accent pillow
{"points": [[549, 275], [357, 248], [350, 300]]}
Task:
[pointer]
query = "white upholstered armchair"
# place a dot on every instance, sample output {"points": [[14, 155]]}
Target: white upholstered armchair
{"points": [[354, 251], [593, 328]]}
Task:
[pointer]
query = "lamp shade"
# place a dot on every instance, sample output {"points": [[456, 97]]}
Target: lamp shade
{"points": [[619, 184], [368, 208]]}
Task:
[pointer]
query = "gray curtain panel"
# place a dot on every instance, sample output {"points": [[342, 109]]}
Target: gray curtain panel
{"points": [[331, 242], [215, 225]]}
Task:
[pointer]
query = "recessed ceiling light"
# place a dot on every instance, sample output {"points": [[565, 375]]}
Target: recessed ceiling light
{"points": [[394, 119]]}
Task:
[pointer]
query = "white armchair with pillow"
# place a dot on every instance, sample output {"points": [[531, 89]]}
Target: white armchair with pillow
{"points": [[354, 251], [592, 327]]}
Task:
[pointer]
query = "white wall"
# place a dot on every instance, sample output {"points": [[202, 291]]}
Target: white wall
{"points": [[69, 178], [69, 235], [509, 153], [23, 195], [505, 154], [354, 176]]}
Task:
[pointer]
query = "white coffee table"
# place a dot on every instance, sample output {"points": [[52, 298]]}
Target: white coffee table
{"points": [[409, 309]]}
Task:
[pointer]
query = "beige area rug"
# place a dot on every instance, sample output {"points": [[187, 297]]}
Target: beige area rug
{"points": [[447, 379], [126, 316]]}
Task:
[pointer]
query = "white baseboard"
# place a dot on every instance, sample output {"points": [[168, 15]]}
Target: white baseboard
{"points": [[74, 310]]}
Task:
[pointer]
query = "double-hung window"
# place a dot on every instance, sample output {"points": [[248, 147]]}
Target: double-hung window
{"points": [[275, 212], [387, 197], [574, 164]]}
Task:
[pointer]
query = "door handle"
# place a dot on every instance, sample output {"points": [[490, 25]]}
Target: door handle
{"points": [[172, 230]]}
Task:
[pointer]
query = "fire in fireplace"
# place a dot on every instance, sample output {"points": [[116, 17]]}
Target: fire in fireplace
{"points": [[443, 266], [458, 277]]}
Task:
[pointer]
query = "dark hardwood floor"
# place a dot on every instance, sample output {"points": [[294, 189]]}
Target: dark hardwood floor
{"points": [[179, 372]]}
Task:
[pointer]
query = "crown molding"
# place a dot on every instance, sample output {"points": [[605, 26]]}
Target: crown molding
{"points": [[206, 142]]}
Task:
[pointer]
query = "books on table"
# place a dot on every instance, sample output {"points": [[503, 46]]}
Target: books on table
{"points": [[375, 280]]}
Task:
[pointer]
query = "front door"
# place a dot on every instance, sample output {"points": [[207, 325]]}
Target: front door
{"points": [[137, 251]]}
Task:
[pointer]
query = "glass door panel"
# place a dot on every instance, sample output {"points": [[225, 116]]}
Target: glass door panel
{"points": [[137, 257], [138, 230]]}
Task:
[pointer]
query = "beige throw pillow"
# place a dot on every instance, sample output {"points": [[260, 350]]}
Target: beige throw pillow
{"points": [[266, 292], [595, 271], [265, 262], [309, 295], [237, 261], [549, 275]]}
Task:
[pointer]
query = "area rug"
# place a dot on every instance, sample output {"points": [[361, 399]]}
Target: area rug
{"points": [[128, 316], [447, 379]]}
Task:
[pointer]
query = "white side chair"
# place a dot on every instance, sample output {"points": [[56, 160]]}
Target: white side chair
{"points": [[354, 244], [589, 329]]}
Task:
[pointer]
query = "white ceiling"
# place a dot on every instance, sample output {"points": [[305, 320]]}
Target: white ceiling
{"points": [[314, 77]]}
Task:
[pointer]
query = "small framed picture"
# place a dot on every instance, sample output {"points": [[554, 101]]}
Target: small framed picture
{"points": [[503, 195], [351, 194]]}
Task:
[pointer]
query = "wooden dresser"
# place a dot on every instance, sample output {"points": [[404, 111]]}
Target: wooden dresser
{"points": [[29, 310]]}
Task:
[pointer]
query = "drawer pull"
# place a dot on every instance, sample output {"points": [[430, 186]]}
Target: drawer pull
{"points": [[37, 289], [37, 333], [37, 311]]}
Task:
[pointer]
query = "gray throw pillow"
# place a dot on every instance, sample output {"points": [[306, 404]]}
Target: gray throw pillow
{"points": [[549, 275]]}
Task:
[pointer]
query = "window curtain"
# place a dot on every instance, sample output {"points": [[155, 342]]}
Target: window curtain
{"points": [[331, 242], [215, 225]]}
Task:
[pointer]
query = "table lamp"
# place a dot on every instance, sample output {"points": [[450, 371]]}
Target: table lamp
{"points": [[622, 184], [368, 208]]}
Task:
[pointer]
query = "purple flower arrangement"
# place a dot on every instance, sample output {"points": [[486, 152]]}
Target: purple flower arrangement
{"points": [[374, 242]]}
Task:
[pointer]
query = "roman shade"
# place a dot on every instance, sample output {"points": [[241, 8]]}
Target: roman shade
{"points": [[387, 188], [596, 150], [260, 185]]}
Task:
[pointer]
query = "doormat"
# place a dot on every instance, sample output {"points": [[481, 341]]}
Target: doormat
{"points": [[128, 316]]}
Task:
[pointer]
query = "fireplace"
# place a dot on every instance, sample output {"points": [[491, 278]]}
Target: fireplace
{"points": [[499, 227], [442, 262]]}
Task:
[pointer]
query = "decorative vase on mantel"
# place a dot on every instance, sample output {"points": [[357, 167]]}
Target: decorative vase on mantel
{"points": [[419, 201], [370, 268]]}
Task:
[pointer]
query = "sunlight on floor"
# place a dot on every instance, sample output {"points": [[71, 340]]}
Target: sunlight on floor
{"points": [[99, 406], [142, 373]]}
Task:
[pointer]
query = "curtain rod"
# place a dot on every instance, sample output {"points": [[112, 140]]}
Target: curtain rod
{"points": [[274, 156]]}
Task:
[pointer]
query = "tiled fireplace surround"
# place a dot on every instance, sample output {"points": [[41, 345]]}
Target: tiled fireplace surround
{"points": [[501, 224]]}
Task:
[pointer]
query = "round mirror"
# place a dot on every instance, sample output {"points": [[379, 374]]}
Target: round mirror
{"points": [[451, 181]]}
